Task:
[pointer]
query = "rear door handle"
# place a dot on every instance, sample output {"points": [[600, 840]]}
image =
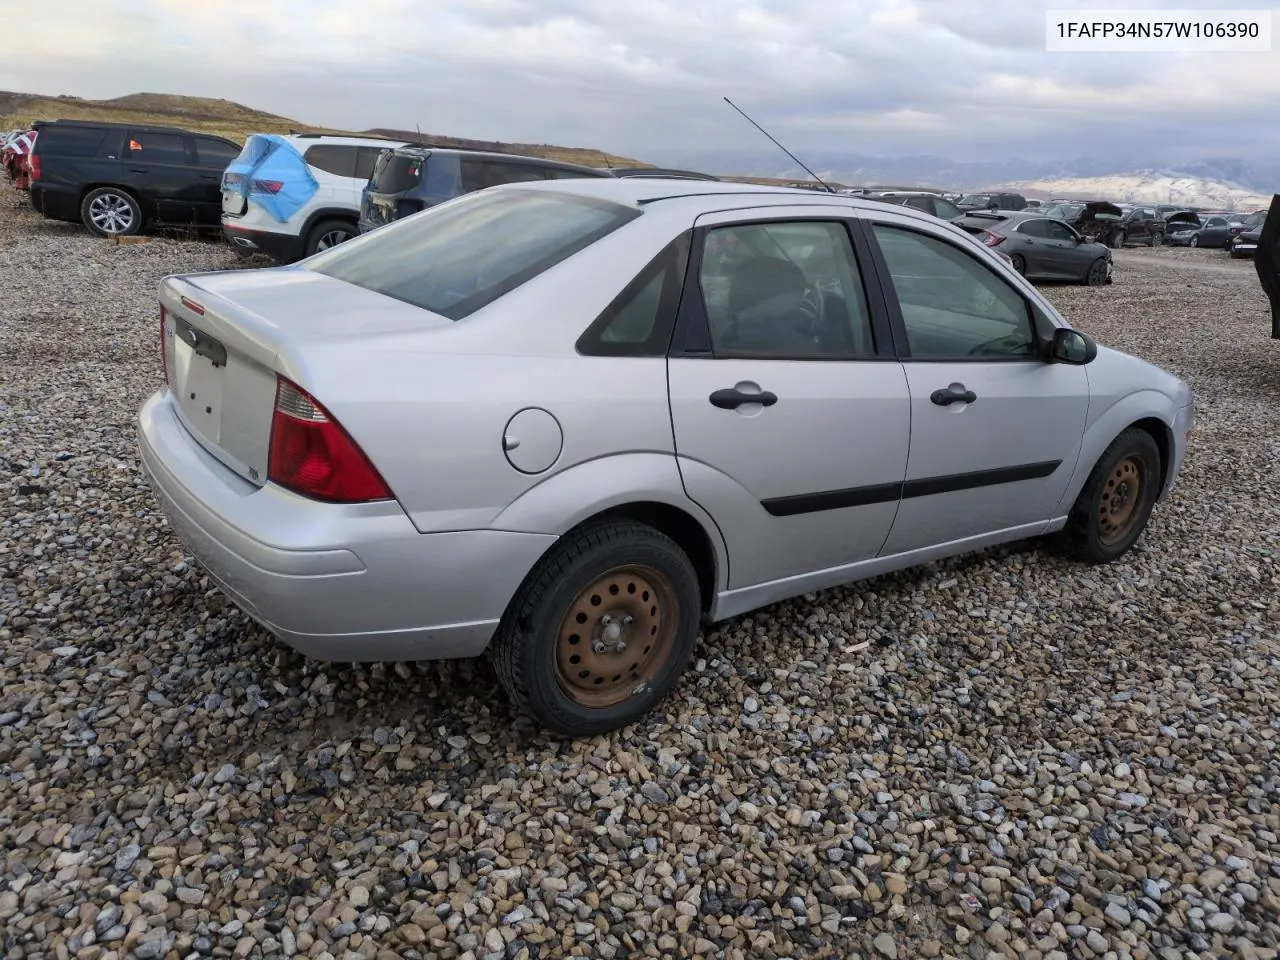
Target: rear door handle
{"points": [[956, 393], [731, 398], [136, 170]]}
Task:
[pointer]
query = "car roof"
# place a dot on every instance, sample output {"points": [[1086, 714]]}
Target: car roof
{"points": [[308, 139], [113, 125], [697, 197], [424, 150]]}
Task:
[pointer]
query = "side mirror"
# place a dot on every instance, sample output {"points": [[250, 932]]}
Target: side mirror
{"points": [[1073, 347]]}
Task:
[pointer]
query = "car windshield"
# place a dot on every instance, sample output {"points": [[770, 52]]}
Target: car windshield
{"points": [[464, 254], [1063, 211]]}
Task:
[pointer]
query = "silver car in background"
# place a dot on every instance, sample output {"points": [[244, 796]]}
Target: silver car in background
{"points": [[1040, 246], [571, 422]]}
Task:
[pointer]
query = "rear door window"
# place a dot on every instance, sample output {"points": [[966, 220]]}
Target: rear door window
{"points": [[479, 174], [215, 153], [71, 141], [333, 158], [157, 147]]}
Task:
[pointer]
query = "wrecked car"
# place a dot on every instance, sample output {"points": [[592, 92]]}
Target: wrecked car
{"points": [[1098, 220], [15, 148]]}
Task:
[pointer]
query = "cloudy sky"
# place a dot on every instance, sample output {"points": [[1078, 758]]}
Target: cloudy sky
{"points": [[966, 79]]}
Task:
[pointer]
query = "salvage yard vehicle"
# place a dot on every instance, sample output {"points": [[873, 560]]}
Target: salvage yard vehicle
{"points": [[1267, 262], [117, 178], [1213, 231], [1041, 247], [930, 203], [992, 201], [290, 196], [15, 151], [411, 178], [1099, 220], [561, 420]]}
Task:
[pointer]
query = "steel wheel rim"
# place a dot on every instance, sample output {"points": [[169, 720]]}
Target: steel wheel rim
{"points": [[332, 239], [1120, 505], [111, 213], [616, 636]]}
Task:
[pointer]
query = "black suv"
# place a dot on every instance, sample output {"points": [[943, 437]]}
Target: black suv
{"points": [[118, 177], [409, 179], [992, 201]]}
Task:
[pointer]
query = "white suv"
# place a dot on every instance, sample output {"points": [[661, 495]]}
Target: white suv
{"points": [[289, 196]]}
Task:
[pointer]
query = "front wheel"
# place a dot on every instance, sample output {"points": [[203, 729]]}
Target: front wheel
{"points": [[1157, 240], [1194, 241], [111, 212], [601, 630], [1113, 508], [1097, 273]]}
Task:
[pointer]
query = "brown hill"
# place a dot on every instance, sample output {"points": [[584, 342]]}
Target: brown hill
{"points": [[235, 121]]}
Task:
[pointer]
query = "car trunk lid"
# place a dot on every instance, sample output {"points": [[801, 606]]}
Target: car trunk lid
{"points": [[226, 337]]}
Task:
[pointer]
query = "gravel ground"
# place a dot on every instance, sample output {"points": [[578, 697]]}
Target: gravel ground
{"points": [[1047, 761]]}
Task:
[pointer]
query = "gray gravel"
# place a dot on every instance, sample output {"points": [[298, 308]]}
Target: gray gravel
{"points": [[1048, 761]]}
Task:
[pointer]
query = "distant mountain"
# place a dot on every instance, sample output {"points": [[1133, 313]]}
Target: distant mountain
{"points": [[1146, 186], [927, 170]]}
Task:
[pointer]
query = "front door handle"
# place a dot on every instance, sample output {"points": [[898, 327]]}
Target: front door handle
{"points": [[956, 393], [136, 170], [732, 398]]}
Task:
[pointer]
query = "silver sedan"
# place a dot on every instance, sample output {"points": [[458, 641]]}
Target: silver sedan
{"points": [[572, 422]]}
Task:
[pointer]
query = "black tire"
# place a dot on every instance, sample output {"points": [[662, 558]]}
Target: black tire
{"points": [[1157, 240], [1115, 241], [1087, 535], [1194, 241], [323, 234], [111, 212], [531, 648], [1019, 263], [1096, 275]]}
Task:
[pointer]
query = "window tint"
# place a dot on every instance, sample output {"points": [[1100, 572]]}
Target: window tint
{"points": [[157, 147], [396, 172], [919, 203], [554, 173], [478, 174], [462, 255], [215, 153], [366, 159], [1216, 222], [57, 141], [1058, 231], [331, 158], [945, 209], [1034, 228], [952, 305], [784, 290], [639, 320]]}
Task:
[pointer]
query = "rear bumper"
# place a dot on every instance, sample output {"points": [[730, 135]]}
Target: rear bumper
{"points": [[1239, 249], [351, 583], [282, 247], [54, 202]]}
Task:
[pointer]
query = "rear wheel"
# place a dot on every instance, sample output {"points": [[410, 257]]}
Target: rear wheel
{"points": [[111, 212], [1019, 263], [329, 233], [1157, 239], [1097, 273], [601, 630], [1113, 508]]}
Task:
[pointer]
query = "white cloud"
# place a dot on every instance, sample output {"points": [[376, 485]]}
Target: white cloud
{"points": [[962, 77]]}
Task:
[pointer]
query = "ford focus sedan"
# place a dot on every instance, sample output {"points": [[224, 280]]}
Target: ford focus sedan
{"points": [[571, 422]]}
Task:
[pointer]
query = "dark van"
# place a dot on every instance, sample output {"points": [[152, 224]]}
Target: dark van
{"points": [[408, 179]]}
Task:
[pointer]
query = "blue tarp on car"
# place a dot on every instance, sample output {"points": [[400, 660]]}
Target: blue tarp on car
{"points": [[272, 174]]}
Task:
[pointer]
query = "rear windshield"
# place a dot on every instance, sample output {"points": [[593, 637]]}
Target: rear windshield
{"points": [[397, 172], [464, 254]]}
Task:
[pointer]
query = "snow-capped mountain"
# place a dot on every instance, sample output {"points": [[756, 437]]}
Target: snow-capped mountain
{"points": [[1145, 186]]}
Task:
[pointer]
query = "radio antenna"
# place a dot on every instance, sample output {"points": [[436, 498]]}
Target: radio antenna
{"points": [[420, 140], [779, 146]]}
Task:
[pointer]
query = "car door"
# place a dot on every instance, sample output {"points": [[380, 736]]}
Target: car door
{"points": [[1072, 255], [212, 156], [156, 168], [995, 429], [1266, 261], [790, 413]]}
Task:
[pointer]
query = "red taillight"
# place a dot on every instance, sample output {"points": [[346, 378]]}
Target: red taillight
{"points": [[164, 347], [268, 186], [991, 239], [313, 456], [33, 167]]}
